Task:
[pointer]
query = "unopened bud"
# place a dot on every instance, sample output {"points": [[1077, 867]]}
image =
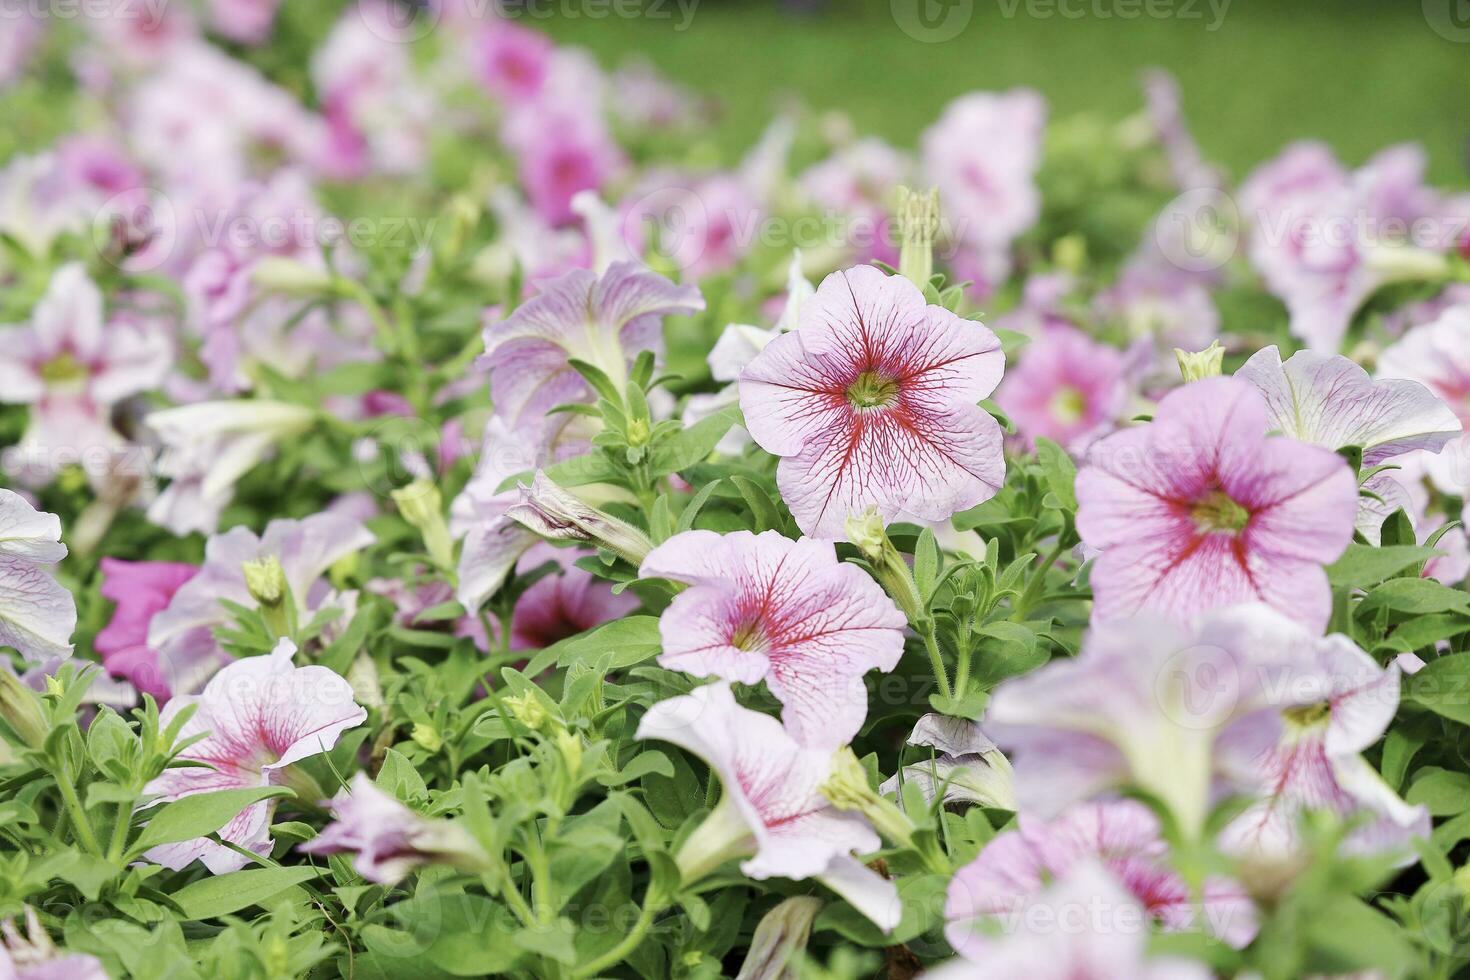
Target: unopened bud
{"points": [[918, 224], [266, 580], [19, 708], [1208, 363], [422, 506], [554, 513]]}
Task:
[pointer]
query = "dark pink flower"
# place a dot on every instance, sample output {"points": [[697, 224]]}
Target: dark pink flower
{"points": [[140, 589]]}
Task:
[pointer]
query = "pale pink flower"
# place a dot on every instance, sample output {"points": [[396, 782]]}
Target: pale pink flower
{"points": [[857, 182], [33, 956], [24, 32], [258, 716], [1343, 703], [37, 613], [983, 154], [1125, 837], [512, 61], [764, 607], [645, 100], [183, 632], [1200, 509], [871, 402], [141, 590], [561, 149], [71, 366], [1083, 925], [605, 321], [390, 840], [772, 812], [244, 21], [1065, 387], [1165, 111], [1149, 704], [1437, 355]]}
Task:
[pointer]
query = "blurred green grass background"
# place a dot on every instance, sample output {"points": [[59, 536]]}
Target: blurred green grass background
{"points": [[1356, 73]]}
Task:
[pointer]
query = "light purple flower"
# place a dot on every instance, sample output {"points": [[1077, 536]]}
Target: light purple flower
{"points": [[18, 42], [390, 840], [1200, 509], [772, 812], [1343, 703], [605, 321], [1084, 925], [764, 607], [258, 716], [1437, 355], [564, 603], [183, 633], [1125, 837], [1065, 387], [33, 956], [37, 613], [871, 402], [1177, 712], [857, 183]]}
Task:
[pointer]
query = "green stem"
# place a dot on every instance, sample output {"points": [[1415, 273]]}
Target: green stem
{"points": [[1029, 596], [625, 948], [936, 661], [78, 815], [119, 843]]}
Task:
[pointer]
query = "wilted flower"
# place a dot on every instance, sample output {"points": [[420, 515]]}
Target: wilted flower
{"points": [[772, 812], [1124, 837], [764, 607], [37, 613], [1200, 509], [303, 551], [389, 839], [1150, 705], [1065, 387], [966, 765], [141, 589], [872, 402], [1084, 925], [258, 716]]}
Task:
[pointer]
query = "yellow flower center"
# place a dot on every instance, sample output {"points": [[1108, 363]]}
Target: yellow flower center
{"points": [[872, 390], [1216, 513], [63, 368], [1068, 405]]}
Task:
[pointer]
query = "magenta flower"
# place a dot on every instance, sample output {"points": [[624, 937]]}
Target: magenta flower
{"points": [[772, 812], [183, 632], [764, 607], [1344, 703], [512, 61], [258, 716], [564, 603], [37, 613], [605, 321], [141, 590], [1437, 355], [1065, 387], [1200, 509], [1123, 836], [1176, 712], [389, 839], [71, 366], [871, 402], [561, 151]]}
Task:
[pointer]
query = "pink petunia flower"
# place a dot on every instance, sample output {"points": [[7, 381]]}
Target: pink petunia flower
{"points": [[512, 61], [141, 590], [1125, 837], [1200, 509], [1345, 704], [1086, 924], [564, 603], [1437, 355], [259, 716], [389, 839], [605, 321], [764, 607], [243, 21], [1148, 704], [183, 632], [71, 366], [561, 151], [871, 402], [772, 812], [1065, 387]]}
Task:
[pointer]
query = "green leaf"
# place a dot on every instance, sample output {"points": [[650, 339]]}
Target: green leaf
{"points": [[763, 509], [1445, 793], [1417, 595], [926, 562], [695, 505], [1443, 686], [631, 640], [203, 813], [1060, 472], [694, 444], [209, 898], [1362, 566], [1424, 631]]}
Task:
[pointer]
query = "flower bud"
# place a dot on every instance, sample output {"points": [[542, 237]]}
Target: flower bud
{"points": [[918, 224], [779, 938], [528, 710], [866, 531], [847, 788], [554, 513], [426, 736], [422, 506], [21, 712], [266, 580], [1207, 363], [289, 277]]}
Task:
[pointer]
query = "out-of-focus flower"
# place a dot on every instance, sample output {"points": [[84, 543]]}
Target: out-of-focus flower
{"points": [[258, 716], [23, 34], [207, 447], [1345, 704], [243, 21], [1200, 509], [1123, 836], [302, 550], [564, 603], [1437, 355], [764, 607], [141, 589], [1151, 705], [37, 613], [780, 937], [510, 60], [647, 101], [1165, 110], [983, 154], [71, 367], [1084, 925], [856, 184], [871, 402], [1065, 387], [772, 812], [605, 321], [34, 956], [561, 151], [389, 839], [966, 765]]}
